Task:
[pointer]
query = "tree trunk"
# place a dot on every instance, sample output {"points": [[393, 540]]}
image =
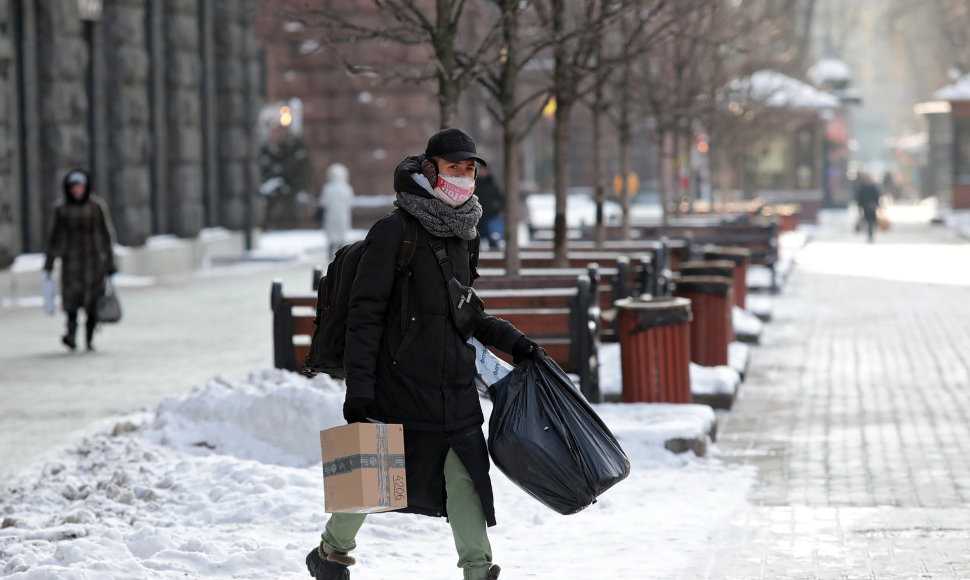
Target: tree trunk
{"points": [[664, 189], [444, 48], [626, 194], [513, 204], [560, 148], [599, 188], [447, 101], [561, 88]]}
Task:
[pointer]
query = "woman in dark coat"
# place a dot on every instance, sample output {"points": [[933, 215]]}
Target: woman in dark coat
{"points": [[82, 236], [414, 367]]}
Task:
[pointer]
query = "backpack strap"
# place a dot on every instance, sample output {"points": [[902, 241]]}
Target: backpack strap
{"points": [[441, 253], [474, 247], [408, 243], [405, 253]]}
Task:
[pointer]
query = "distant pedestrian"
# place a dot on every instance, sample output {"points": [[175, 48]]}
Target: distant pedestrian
{"points": [[337, 199], [867, 197], [492, 224], [82, 236]]}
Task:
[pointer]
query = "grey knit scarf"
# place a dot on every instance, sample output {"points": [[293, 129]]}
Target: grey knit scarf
{"points": [[439, 218]]}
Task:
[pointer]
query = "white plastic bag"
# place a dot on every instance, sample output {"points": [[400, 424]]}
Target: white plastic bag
{"points": [[490, 368], [48, 288]]}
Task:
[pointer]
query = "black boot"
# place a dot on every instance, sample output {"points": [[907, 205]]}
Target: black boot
{"points": [[89, 337], [324, 569], [493, 572], [68, 338]]}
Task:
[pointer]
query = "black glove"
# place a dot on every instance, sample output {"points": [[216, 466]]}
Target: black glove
{"points": [[359, 409], [525, 348]]}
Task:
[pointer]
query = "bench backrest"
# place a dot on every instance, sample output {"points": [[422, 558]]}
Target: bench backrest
{"points": [[563, 319]]}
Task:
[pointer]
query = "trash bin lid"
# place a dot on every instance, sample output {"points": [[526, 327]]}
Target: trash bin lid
{"points": [[655, 311], [736, 254], [717, 285], [708, 268]]}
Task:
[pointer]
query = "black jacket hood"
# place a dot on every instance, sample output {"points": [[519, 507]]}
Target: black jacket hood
{"points": [[404, 183], [67, 190]]}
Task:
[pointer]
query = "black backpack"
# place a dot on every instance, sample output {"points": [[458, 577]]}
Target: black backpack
{"points": [[333, 302]]}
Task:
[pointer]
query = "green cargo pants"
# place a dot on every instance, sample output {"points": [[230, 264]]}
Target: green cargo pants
{"points": [[464, 514]]}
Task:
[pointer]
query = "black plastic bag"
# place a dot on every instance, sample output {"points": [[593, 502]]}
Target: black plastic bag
{"points": [[548, 440]]}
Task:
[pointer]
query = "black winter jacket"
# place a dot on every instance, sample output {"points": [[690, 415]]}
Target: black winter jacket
{"points": [[419, 370], [424, 376]]}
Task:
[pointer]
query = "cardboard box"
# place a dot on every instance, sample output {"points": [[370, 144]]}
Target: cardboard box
{"points": [[363, 468]]}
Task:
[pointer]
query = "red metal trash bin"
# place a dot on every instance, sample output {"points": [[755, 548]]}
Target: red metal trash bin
{"points": [[741, 258], [712, 329], [654, 336]]}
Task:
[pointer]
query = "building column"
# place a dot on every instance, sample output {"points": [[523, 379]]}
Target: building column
{"points": [[9, 194], [236, 122], [158, 163], [62, 60], [129, 138], [207, 90]]}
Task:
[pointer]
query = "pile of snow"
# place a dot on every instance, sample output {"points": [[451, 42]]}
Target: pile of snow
{"points": [[747, 326], [774, 89], [739, 355], [226, 482], [760, 305], [958, 91], [829, 71], [711, 381], [580, 210], [959, 222]]}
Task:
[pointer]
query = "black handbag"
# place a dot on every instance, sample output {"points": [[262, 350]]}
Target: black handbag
{"points": [[108, 308], [467, 308]]}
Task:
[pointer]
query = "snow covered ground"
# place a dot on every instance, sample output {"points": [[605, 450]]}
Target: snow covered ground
{"points": [[226, 482]]}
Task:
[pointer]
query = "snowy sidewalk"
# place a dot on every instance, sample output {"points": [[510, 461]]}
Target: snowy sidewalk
{"points": [[225, 482], [175, 333], [854, 412]]}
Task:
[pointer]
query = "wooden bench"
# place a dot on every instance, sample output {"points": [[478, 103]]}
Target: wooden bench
{"points": [[293, 317], [608, 286], [563, 319], [758, 236], [674, 250]]}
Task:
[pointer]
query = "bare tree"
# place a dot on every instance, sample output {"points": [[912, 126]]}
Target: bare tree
{"points": [[671, 85], [514, 108], [574, 27], [398, 25], [612, 98]]}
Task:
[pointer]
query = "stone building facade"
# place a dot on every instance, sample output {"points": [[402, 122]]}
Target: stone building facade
{"points": [[156, 98]]}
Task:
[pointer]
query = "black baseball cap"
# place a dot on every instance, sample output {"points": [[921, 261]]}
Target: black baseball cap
{"points": [[453, 145]]}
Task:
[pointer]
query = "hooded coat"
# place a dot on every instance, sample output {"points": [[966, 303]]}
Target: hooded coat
{"points": [[82, 236], [417, 368], [337, 198]]}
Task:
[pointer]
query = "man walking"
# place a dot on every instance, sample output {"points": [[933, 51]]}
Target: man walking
{"points": [[408, 362]]}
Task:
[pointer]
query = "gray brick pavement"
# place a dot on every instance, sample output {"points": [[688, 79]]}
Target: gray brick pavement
{"points": [[856, 413]]}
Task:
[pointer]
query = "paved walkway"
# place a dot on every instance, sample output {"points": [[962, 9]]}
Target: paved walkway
{"points": [[172, 335], [856, 413]]}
